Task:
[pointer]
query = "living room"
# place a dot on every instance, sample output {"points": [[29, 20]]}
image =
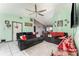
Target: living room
{"points": [[37, 29]]}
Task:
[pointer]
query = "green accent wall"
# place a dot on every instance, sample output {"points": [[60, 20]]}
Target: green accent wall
{"points": [[6, 33], [61, 13]]}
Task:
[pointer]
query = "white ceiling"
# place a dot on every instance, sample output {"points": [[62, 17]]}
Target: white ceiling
{"points": [[20, 9]]}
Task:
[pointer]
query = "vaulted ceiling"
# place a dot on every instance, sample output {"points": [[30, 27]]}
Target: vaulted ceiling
{"points": [[20, 9]]}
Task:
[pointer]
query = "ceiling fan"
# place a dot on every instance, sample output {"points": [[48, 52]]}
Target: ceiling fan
{"points": [[36, 11]]}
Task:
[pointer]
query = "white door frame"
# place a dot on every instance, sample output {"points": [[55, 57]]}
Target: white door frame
{"points": [[12, 27]]}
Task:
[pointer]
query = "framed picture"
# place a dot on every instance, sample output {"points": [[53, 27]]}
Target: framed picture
{"points": [[65, 24], [31, 19], [60, 23], [8, 25], [28, 24], [65, 19], [21, 17], [7, 22]]}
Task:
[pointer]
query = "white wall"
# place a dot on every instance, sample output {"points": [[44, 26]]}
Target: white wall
{"points": [[39, 28]]}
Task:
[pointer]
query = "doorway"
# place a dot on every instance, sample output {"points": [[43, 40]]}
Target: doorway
{"points": [[16, 28], [34, 28]]}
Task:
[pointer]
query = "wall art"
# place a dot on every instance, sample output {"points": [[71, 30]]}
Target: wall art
{"points": [[21, 17], [28, 24], [31, 19], [60, 23], [7, 23]]}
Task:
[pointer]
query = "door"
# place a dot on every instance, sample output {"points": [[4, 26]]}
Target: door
{"points": [[16, 28], [34, 28]]}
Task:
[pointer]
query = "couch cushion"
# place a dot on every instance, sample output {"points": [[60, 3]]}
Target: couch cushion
{"points": [[23, 37], [54, 34]]}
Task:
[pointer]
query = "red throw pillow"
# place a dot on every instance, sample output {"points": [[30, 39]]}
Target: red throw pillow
{"points": [[23, 37]]}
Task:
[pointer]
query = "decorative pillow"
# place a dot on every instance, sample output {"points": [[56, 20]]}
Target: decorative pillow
{"points": [[23, 37], [34, 33]]}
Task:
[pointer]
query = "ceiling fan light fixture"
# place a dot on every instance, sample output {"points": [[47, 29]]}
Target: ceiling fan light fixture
{"points": [[36, 11]]}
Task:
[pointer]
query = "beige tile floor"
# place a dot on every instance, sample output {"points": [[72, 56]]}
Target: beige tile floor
{"points": [[41, 49], [10, 49]]}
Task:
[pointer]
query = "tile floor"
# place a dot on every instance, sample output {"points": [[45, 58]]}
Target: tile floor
{"points": [[41, 49], [10, 49]]}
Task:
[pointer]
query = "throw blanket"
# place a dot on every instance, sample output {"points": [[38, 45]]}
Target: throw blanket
{"points": [[66, 47], [67, 44]]}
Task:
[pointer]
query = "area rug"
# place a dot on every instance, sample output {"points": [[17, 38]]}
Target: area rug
{"points": [[41, 49]]}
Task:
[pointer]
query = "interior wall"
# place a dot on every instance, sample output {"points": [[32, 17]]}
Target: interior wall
{"points": [[39, 28], [62, 12], [6, 33]]}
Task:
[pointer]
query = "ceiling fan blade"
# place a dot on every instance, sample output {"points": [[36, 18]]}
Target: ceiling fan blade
{"points": [[29, 10], [42, 10], [31, 13], [41, 14], [35, 8], [36, 14]]}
